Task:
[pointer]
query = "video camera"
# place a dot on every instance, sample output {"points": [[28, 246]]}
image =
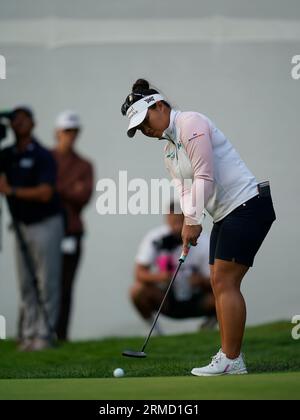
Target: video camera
{"points": [[4, 116]]}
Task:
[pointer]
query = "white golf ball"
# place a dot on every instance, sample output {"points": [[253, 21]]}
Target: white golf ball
{"points": [[118, 373]]}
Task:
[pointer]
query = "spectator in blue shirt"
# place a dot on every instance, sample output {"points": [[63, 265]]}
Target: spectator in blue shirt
{"points": [[27, 179]]}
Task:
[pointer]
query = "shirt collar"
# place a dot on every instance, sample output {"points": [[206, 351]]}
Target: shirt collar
{"points": [[170, 132], [29, 148]]}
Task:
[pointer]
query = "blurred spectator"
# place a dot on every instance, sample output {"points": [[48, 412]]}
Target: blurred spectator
{"points": [[29, 184], [75, 186], [191, 295]]}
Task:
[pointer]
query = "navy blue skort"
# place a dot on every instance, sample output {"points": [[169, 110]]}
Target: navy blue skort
{"points": [[240, 234]]}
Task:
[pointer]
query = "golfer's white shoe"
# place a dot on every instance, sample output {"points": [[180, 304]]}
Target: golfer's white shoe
{"points": [[221, 365]]}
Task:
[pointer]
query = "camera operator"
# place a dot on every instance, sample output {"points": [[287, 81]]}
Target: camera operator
{"points": [[27, 179]]}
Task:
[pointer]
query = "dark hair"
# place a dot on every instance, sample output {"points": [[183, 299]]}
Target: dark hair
{"points": [[140, 89], [26, 110], [143, 86]]}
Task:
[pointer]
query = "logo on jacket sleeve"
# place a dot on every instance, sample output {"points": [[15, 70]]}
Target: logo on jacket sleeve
{"points": [[196, 135]]}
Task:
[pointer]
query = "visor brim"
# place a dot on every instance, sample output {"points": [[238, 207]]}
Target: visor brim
{"points": [[135, 121]]}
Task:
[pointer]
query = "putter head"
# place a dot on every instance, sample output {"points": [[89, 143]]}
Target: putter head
{"points": [[137, 354]]}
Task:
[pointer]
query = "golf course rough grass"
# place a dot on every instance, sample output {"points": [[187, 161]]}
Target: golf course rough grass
{"points": [[272, 358]]}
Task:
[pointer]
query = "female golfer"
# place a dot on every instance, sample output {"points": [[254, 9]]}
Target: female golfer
{"points": [[209, 174]]}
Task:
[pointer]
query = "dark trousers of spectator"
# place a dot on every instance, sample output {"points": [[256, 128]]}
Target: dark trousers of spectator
{"points": [[70, 263]]}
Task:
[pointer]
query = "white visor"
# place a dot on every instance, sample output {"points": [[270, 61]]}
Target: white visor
{"points": [[138, 111]]}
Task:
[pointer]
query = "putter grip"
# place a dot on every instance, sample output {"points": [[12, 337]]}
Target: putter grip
{"points": [[183, 257]]}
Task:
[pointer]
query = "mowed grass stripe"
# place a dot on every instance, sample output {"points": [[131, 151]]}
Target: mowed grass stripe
{"points": [[262, 386]]}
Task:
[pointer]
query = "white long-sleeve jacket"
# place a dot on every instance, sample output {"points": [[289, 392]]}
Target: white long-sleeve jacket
{"points": [[207, 171]]}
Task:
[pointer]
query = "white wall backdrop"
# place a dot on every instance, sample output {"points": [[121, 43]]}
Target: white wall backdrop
{"points": [[228, 59]]}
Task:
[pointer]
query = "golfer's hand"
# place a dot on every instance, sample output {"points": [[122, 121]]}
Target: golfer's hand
{"points": [[189, 235]]}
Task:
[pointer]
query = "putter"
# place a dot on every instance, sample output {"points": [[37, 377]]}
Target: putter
{"points": [[141, 354]]}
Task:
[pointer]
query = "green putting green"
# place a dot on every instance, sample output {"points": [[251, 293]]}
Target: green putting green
{"points": [[263, 386], [84, 369]]}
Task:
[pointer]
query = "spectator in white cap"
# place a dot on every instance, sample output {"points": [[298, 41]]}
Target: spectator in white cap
{"points": [[74, 185]]}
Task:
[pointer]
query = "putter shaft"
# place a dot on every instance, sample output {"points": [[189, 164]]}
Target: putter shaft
{"points": [[162, 303], [141, 354]]}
